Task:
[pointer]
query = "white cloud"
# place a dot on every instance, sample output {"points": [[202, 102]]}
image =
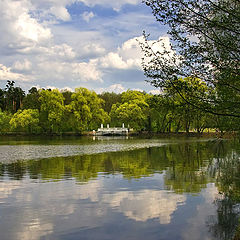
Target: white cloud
{"points": [[116, 5], [113, 60], [51, 87], [87, 71], [87, 16], [59, 63], [23, 65], [64, 89], [55, 51], [7, 74], [19, 30], [60, 12], [29, 28], [117, 88], [128, 56], [51, 10], [162, 44], [92, 49], [131, 48], [65, 71], [155, 92]]}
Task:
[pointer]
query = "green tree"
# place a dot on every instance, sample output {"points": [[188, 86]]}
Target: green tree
{"points": [[109, 100], [67, 97], [51, 110], [31, 100], [188, 116], [87, 109], [205, 43], [4, 121], [129, 113], [169, 111], [14, 97], [25, 120], [133, 110], [2, 100], [161, 113]]}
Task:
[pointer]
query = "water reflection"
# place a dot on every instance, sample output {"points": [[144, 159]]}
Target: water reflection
{"points": [[12, 151], [146, 204], [225, 168], [167, 192], [185, 171]]}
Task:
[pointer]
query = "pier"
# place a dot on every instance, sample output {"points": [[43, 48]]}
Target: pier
{"points": [[107, 131]]}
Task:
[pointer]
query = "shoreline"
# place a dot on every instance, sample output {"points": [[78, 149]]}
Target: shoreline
{"points": [[219, 135]]}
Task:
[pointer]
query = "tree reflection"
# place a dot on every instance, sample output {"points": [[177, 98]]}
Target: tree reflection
{"points": [[1, 170], [187, 169], [184, 166], [223, 226], [225, 168]]}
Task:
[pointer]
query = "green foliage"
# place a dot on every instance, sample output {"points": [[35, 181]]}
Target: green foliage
{"points": [[160, 113], [4, 121], [129, 113], [132, 95], [109, 100], [172, 111], [205, 44], [31, 100], [67, 97], [14, 97], [187, 103], [51, 110], [2, 100], [87, 109], [25, 120], [132, 111]]}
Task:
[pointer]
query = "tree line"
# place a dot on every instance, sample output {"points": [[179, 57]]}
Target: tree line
{"points": [[55, 111]]}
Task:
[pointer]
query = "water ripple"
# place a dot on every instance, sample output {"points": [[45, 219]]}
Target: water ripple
{"points": [[12, 153]]}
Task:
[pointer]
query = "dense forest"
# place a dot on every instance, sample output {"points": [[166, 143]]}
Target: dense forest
{"points": [[54, 111]]}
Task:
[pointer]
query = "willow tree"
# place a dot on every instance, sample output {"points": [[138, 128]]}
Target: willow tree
{"points": [[133, 110], [204, 44], [52, 110], [87, 109], [25, 120]]}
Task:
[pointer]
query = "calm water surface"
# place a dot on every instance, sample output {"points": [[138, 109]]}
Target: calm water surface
{"points": [[117, 188]]}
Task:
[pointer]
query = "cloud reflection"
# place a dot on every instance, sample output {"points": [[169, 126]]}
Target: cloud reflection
{"points": [[147, 204], [7, 188], [35, 230]]}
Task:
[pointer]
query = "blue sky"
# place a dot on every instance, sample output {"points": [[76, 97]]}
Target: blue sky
{"points": [[75, 43]]}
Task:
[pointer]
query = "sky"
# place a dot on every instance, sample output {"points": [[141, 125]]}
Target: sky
{"points": [[67, 44]]}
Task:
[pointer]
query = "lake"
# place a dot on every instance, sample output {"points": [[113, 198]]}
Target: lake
{"points": [[119, 188]]}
